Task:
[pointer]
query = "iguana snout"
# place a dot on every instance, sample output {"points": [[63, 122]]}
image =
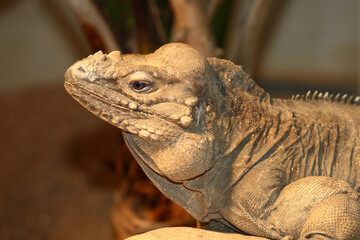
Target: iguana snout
{"points": [[140, 87]]}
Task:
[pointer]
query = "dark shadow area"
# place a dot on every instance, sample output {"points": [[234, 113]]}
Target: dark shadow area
{"points": [[93, 154]]}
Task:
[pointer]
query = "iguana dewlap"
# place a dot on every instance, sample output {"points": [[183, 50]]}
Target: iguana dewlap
{"points": [[217, 144]]}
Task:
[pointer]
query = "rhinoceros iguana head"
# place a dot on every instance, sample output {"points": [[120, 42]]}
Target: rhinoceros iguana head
{"points": [[165, 102]]}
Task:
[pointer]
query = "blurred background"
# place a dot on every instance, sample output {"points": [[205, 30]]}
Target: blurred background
{"points": [[67, 175]]}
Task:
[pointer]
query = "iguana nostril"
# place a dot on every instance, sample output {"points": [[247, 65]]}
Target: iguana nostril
{"points": [[81, 69]]}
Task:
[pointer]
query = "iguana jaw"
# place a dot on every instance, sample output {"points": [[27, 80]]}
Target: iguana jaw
{"points": [[121, 113]]}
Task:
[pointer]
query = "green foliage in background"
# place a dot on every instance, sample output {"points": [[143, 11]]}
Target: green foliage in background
{"points": [[127, 19], [220, 20]]}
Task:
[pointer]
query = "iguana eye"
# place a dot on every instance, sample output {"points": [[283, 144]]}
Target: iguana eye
{"points": [[141, 86], [141, 82]]}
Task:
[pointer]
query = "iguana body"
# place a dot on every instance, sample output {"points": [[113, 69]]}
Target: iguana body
{"points": [[218, 145]]}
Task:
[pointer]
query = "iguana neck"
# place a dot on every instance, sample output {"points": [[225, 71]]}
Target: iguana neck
{"points": [[257, 123], [242, 122]]}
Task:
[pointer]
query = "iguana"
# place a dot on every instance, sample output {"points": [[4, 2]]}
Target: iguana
{"points": [[221, 147]]}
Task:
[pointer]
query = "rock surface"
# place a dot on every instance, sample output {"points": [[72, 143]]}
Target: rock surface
{"points": [[187, 233]]}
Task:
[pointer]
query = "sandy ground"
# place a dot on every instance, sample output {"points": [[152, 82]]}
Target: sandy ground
{"points": [[57, 174]]}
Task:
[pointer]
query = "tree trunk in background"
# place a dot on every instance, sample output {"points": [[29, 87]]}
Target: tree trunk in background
{"points": [[192, 26], [249, 20]]}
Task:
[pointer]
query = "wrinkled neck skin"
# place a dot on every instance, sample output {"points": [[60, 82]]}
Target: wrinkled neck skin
{"points": [[240, 120]]}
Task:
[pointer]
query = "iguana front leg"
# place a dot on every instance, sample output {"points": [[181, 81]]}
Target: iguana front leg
{"points": [[317, 208]]}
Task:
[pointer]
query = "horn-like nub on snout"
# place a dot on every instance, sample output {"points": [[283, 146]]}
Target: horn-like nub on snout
{"points": [[97, 66]]}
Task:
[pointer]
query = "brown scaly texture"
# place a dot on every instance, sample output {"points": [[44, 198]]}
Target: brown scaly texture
{"points": [[219, 146]]}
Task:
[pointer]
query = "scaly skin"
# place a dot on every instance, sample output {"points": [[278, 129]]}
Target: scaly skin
{"points": [[217, 144]]}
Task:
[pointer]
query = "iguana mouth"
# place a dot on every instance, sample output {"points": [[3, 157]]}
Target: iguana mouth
{"points": [[121, 112], [79, 92]]}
